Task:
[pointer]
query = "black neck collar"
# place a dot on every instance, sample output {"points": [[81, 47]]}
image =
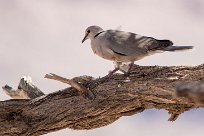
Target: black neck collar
{"points": [[98, 34]]}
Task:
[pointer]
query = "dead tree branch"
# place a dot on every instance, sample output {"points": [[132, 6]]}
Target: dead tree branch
{"points": [[73, 83], [26, 90], [147, 87]]}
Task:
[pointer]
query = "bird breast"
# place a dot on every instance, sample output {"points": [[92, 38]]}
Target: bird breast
{"points": [[102, 50]]}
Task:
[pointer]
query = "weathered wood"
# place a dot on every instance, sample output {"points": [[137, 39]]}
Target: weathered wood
{"points": [[73, 83], [26, 89], [147, 87], [194, 91]]}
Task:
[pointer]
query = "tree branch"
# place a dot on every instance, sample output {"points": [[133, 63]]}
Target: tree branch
{"points": [[147, 87]]}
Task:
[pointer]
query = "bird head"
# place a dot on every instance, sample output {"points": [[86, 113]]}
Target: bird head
{"points": [[91, 31]]}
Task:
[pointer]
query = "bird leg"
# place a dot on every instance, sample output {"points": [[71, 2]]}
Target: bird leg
{"points": [[118, 67], [113, 71], [130, 67]]}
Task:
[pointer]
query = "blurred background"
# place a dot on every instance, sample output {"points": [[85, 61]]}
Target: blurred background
{"points": [[42, 36]]}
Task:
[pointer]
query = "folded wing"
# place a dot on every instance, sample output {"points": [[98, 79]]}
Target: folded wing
{"points": [[126, 43]]}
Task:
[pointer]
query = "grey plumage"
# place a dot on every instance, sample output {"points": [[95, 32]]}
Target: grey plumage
{"points": [[120, 46], [178, 48]]}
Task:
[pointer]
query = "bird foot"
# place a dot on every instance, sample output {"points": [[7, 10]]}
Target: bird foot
{"points": [[112, 72]]}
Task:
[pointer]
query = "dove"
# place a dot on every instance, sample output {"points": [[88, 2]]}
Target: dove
{"points": [[126, 47]]}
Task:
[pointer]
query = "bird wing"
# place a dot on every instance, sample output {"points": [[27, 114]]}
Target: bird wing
{"points": [[126, 43]]}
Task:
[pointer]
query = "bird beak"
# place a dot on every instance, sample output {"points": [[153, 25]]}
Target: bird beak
{"points": [[85, 37]]}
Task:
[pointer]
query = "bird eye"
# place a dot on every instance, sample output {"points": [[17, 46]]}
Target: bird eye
{"points": [[88, 31]]}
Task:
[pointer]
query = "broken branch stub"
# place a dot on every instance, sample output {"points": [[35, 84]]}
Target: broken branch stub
{"points": [[26, 89], [83, 90]]}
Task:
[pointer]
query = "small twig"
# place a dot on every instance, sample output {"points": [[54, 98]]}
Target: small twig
{"points": [[72, 83]]}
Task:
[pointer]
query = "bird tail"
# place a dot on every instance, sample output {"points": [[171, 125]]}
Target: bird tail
{"points": [[177, 48], [167, 45]]}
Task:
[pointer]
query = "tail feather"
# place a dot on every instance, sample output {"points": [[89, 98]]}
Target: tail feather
{"points": [[177, 48], [161, 44], [164, 43], [167, 45]]}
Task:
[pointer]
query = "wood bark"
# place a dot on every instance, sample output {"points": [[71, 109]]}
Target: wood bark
{"points": [[99, 102]]}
